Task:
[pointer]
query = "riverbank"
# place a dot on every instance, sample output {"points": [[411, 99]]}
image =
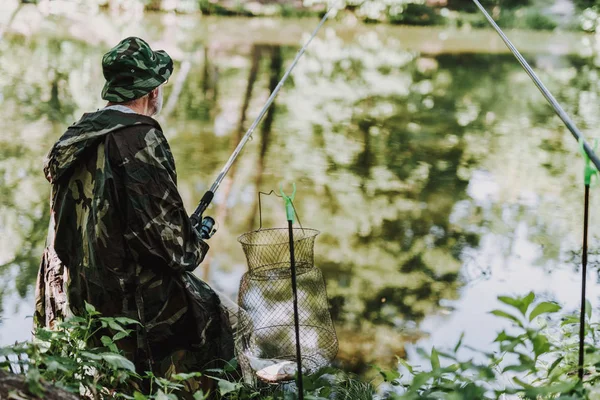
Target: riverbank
{"points": [[237, 35], [529, 14]]}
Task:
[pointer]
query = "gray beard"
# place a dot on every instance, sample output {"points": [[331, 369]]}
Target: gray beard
{"points": [[157, 105]]}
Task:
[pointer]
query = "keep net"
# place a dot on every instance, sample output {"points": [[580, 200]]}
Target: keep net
{"points": [[266, 296]]}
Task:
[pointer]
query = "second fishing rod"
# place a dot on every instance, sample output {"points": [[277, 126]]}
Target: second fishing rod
{"points": [[590, 157], [206, 225]]}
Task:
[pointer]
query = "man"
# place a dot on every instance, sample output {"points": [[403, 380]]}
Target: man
{"points": [[120, 238]]}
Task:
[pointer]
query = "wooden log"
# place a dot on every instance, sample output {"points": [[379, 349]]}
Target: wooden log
{"points": [[15, 387]]}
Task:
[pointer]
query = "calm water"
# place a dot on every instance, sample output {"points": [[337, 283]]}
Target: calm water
{"points": [[435, 171]]}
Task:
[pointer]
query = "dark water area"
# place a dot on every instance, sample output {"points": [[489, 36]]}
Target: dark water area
{"points": [[437, 175]]}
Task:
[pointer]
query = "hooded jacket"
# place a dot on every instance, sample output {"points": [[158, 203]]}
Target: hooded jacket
{"points": [[120, 240]]}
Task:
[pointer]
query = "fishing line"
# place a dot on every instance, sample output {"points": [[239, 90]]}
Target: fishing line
{"points": [[549, 97], [208, 196]]}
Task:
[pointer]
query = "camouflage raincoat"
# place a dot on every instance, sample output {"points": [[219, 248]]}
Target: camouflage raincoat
{"points": [[120, 239]]}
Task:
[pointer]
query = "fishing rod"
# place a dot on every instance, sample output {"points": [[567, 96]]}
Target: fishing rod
{"points": [[590, 156], [206, 225], [549, 97]]}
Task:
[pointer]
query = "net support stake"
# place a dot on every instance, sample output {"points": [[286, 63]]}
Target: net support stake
{"points": [[589, 171], [289, 210], [583, 283]]}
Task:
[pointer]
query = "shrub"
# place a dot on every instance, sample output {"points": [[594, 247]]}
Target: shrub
{"points": [[537, 355]]}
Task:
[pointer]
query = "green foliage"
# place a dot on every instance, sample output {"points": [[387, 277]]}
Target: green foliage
{"points": [[534, 19], [590, 19], [583, 4], [211, 7], [66, 357], [405, 12], [540, 363], [62, 355], [414, 14], [537, 359]]}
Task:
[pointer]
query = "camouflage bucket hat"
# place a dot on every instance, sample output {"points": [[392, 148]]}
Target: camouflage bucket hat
{"points": [[133, 70]]}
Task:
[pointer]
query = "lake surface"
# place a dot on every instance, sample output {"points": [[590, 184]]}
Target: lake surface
{"points": [[437, 174]]}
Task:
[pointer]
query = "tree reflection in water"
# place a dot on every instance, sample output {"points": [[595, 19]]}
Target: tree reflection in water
{"points": [[382, 142]]}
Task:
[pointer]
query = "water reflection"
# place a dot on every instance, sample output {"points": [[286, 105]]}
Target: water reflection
{"points": [[407, 161]]}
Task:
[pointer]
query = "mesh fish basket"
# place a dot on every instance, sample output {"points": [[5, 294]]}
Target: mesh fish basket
{"points": [[266, 296]]}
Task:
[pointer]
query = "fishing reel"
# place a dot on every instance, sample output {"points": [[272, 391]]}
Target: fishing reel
{"points": [[207, 228]]}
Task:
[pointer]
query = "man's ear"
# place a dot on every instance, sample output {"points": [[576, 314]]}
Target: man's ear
{"points": [[154, 93]]}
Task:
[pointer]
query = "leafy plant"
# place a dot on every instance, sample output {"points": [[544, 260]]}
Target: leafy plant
{"points": [[539, 361], [537, 355], [62, 357]]}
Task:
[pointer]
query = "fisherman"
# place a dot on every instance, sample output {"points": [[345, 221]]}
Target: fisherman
{"points": [[119, 237]]}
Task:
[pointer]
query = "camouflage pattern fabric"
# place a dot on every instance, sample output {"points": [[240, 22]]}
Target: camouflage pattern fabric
{"points": [[132, 70], [120, 239]]}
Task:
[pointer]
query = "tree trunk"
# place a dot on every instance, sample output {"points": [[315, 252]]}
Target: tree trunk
{"points": [[266, 128], [221, 214]]}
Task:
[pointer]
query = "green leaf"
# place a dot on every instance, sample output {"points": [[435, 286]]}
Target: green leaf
{"points": [[435, 360], [185, 376], [525, 359], [406, 365], [503, 336], [44, 334], [520, 303], [91, 356], [54, 365], [108, 342], [160, 395], [561, 387], [527, 300], [218, 371], [419, 380], [569, 320], [199, 395], [90, 309], [504, 314], [521, 383], [451, 368], [33, 379], [517, 368], [545, 307], [139, 396], [588, 309], [541, 345], [555, 364], [114, 325], [231, 366], [389, 375], [77, 320], [117, 361], [227, 387], [127, 321], [121, 335], [515, 302], [460, 341]]}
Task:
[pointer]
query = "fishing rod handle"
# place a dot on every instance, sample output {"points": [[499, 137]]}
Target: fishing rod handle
{"points": [[196, 217]]}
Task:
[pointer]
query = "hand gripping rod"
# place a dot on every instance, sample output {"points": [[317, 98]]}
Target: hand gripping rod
{"points": [[557, 107], [208, 196]]}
